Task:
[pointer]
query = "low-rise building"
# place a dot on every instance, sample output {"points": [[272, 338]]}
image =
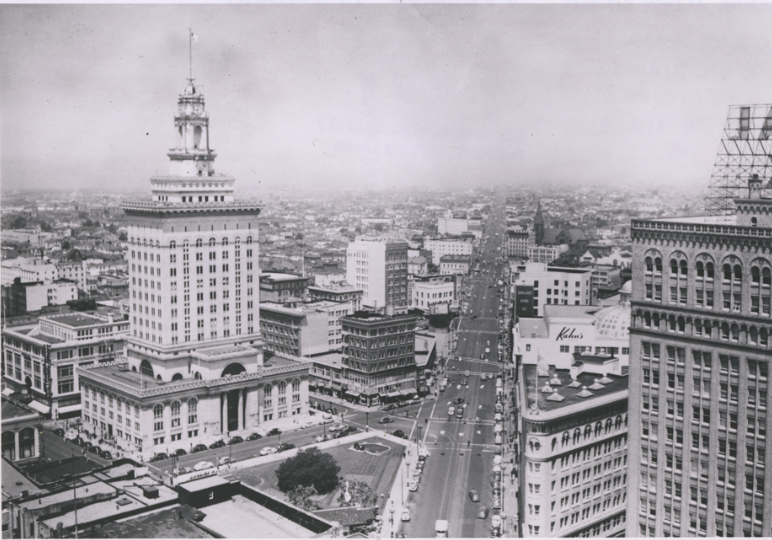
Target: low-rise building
{"points": [[28, 270], [545, 254], [417, 266], [22, 298], [433, 295], [455, 264], [303, 329], [517, 242], [276, 287], [21, 433], [456, 245], [42, 358], [337, 291], [454, 224]]}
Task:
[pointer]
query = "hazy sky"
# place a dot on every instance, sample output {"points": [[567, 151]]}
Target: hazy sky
{"points": [[379, 95]]}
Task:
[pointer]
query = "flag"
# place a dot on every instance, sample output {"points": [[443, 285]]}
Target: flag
{"points": [[542, 367]]}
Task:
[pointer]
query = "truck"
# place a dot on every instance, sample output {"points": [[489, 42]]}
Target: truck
{"points": [[441, 528]]}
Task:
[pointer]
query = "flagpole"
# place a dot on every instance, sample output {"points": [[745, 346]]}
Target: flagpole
{"points": [[190, 50]]}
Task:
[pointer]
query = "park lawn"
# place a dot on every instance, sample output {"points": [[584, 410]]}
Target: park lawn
{"points": [[378, 472]]}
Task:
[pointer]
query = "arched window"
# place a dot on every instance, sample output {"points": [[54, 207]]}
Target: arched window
{"points": [[199, 243], [671, 323], [700, 268], [27, 443], [172, 245], [296, 391], [158, 418], [192, 411], [565, 439], [709, 270], [197, 375], [268, 396], [249, 239], [655, 320], [146, 369], [697, 327], [177, 377], [554, 442], [617, 421], [212, 242], [224, 241], [673, 267], [725, 331], [684, 268], [587, 431], [608, 425], [681, 325], [727, 272], [535, 445], [707, 328], [754, 222], [738, 273], [755, 275], [658, 265], [647, 319], [282, 390], [735, 333], [577, 435], [175, 414]]}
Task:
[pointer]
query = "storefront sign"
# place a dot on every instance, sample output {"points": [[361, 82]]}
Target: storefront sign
{"points": [[568, 333]]}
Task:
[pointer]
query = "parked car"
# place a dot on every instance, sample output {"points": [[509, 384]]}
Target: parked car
{"points": [[159, 457], [458, 400], [180, 452], [267, 450], [385, 420], [390, 407], [184, 470], [274, 431], [307, 424], [496, 521], [78, 441], [202, 465], [405, 514], [106, 454], [198, 448], [474, 495], [217, 444], [59, 432], [413, 486], [399, 433], [482, 513], [236, 440], [336, 427], [88, 446], [96, 450], [254, 436], [460, 412], [497, 503], [285, 446], [224, 460]]}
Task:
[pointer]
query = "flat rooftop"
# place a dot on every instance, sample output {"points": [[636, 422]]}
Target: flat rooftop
{"points": [[334, 360], [12, 410], [338, 287], [241, 518], [14, 483], [164, 524], [533, 328], [576, 312], [75, 320], [571, 395], [276, 276]]}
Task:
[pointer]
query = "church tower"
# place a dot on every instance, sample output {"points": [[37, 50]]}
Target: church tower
{"points": [[538, 225]]}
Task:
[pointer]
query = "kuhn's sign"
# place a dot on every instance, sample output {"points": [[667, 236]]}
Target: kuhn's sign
{"points": [[568, 333]]}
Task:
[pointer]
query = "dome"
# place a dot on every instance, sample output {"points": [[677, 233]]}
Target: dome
{"points": [[190, 90], [613, 321]]}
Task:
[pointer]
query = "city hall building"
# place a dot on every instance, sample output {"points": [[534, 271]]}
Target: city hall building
{"points": [[699, 373], [194, 366]]}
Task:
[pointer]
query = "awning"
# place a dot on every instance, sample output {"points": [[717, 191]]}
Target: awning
{"points": [[39, 407], [393, 394], [352, 394], [7, 391], [408, 391], [69, 408]]}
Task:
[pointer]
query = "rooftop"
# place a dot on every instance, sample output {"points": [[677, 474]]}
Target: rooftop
{"points": [[241, 518], [276, 276], [336, 286], [12, 410], [570, 395], [76, 320], [14, 482], [174, 522]]}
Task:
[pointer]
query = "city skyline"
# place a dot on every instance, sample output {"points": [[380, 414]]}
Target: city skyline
{"points": [[379, 97]]}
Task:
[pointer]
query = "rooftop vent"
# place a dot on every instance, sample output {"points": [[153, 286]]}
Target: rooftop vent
{"points": [[547, 389], [585, 393], [574, 384], [555, 397], [555, 381], [597, 386]]}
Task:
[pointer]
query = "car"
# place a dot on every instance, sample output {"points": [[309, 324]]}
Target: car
{"points": [[390, 407], [474, 495], [224, 460], [236, 440], [399, 433], [419, 465], [88, 446], [482, 356], [267, 450], [254, 436], [202, 466], [482, 513], [451, 411], [322, 438], [307, 424], [78, 441], [198, 448], [217, 444], [497, 503], [385, 420], [405, 514], [274, 431], [158, 457], [285, 446], [336, 427], [179, 452], [106, 455], [458, 400], [95, 450], [496, 521], [413, 486], [184, 470], [460, 413], [59, 432]]}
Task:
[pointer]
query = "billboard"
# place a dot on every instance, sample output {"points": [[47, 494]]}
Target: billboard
{"points": [[523, 301]]}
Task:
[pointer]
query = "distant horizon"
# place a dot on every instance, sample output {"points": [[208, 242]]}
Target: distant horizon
{"points": [[378, 97]]}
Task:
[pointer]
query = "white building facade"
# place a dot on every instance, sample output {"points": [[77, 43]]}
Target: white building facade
{"points": [[378, 266], [554, 284]]}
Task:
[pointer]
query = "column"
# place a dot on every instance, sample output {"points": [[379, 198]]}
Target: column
{"points": [[241, 409], [223, 412], [16, 440]]}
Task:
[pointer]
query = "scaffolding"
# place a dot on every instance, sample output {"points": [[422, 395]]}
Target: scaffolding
{"points": [[745, 152]]}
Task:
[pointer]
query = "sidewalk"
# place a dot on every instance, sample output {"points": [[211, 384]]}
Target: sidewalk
{"points": [[392, 514]]}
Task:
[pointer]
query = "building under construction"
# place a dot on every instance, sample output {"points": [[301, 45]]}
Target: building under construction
{"points": [[745, 152]]}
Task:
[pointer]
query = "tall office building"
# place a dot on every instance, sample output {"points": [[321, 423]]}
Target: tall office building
{"points": [[378, 266], [194, 360], [699, 367]]}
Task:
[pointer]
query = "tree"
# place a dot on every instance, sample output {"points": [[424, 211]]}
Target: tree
{"points": [[301, 497], [65, 245], [19, 222], [309, 468], [122, 236], [45, 226]]}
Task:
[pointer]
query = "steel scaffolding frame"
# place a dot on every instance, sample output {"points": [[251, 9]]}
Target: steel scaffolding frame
{"points": [[745, 151]]}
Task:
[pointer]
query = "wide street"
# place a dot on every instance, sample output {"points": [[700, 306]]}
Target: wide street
{"points": [[462, 450]]}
